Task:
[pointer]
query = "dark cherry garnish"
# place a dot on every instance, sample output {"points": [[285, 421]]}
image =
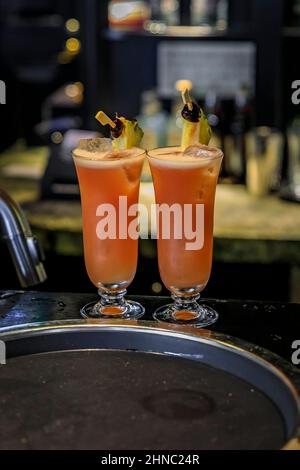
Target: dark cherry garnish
{"points": [[117, 131], [191, 115]]}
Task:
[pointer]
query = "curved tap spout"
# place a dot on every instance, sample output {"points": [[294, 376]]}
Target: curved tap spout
{"points": [[23, 246]]}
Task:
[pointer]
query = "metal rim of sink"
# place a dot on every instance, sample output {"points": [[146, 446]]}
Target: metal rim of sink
{"points": [[272, 363]]}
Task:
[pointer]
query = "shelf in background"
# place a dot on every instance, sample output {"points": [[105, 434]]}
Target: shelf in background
{"points": [[159, 30]]}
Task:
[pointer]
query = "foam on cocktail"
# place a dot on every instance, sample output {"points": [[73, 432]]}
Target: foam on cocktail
{"points": [[99, 152], [198, 155], [201, 151]]}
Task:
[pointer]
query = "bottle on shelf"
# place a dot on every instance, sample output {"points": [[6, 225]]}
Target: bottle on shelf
{"points": [[235, 142], [264, 146], [153, 120], [155, 6], [169, 12], [213, 13], [290, 170], [222, 14], [200, 12], [213, 111], [128, 15]]}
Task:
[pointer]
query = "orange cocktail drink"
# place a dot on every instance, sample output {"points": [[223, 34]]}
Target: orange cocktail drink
{"points": [[187, 181], [109, 185]]}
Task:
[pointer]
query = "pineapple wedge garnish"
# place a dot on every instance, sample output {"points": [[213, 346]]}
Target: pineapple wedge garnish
{"points": [[196, 128], [125, 133]]}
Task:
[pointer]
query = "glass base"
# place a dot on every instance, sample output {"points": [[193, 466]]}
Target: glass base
{"points": [[112, 304], [129, 310], [186, 311]]}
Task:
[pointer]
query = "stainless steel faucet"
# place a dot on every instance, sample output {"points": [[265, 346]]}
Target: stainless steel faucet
{"points": [[23, 246]]}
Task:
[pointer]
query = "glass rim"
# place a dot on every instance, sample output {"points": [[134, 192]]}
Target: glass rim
{"points": [[218, 156], [110, 160]]}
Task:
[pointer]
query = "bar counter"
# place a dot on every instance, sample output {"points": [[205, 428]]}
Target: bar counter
{"points": [[274, 326]]}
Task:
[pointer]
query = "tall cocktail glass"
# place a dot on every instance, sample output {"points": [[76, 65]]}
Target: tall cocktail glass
{"points": [[109, 186], [185, 187]]}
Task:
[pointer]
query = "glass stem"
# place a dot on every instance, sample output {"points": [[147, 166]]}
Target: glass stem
{"points": [[183, 302], [110, 298]]}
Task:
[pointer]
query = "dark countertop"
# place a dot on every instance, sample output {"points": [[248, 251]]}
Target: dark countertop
{"points": [[274, 326]]}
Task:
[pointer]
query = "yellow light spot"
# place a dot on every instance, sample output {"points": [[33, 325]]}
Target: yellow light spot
{"points": [[72, 25], [75, 92], [71, 91], [182, 85], [57, 137], [73, 45], [157, 287], [80, 86]]}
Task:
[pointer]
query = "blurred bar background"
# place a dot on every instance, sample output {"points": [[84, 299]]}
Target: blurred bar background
{"points": [[62, 61]]}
